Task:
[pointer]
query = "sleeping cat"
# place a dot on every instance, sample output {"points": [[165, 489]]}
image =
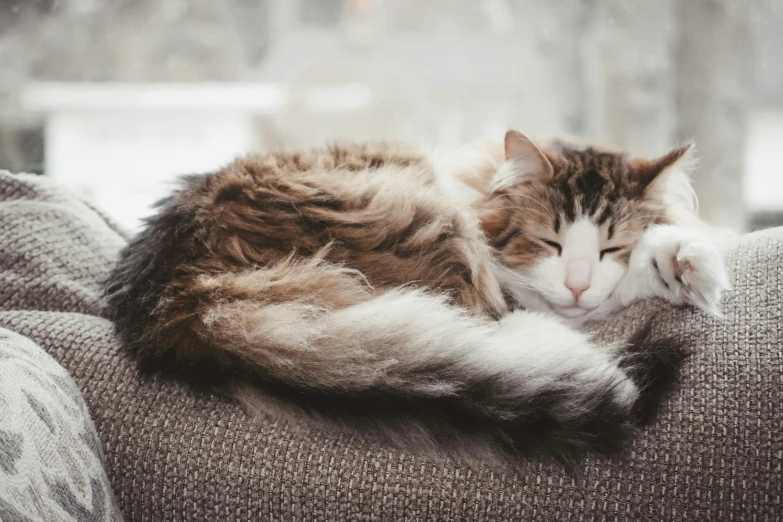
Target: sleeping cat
{"points": [[586, 244], [361, 286]]}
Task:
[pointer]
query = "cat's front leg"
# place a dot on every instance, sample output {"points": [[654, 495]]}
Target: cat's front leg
{"points": [[678, 264]]}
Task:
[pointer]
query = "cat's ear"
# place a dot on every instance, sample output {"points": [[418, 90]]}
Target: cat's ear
{"points": [[524, 162], [652, 173], [667, 179]]}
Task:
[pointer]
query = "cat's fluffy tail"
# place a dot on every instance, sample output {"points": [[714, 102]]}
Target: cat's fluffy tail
{"points": [[310, 337]]}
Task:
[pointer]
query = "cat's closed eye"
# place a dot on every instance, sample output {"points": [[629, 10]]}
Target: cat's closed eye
{"points": [[609, 251], [554, 245]]}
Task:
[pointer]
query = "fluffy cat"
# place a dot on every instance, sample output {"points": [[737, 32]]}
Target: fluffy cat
{"points": [[359, 286]]}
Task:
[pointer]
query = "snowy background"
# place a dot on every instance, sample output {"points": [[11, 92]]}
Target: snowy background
{"points": [[117, 97]]}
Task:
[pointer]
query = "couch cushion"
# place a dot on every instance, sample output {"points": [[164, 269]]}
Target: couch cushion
{"points": [[55, 247], [715, 452]]}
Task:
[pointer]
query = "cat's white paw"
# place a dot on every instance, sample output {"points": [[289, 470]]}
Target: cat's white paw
{"points": [[691, 268]]}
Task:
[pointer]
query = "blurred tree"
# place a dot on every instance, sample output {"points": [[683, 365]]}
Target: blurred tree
{"points": [[546, 66], [666, 72], [714, 86], [629, 74]]}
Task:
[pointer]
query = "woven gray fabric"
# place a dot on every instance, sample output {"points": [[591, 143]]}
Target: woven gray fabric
{"points": [[715, 452], [55, 247]]}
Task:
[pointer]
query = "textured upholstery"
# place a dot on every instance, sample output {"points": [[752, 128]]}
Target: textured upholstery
{"points": [[715, 452]]}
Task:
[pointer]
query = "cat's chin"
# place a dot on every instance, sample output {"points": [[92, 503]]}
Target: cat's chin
{"points": [[573, 312]]}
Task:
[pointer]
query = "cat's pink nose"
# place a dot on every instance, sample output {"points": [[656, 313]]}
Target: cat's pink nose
{"points": [[577, 291], [578, 277]]}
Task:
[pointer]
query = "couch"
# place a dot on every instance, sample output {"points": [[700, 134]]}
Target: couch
{"points": [[170, 453]]}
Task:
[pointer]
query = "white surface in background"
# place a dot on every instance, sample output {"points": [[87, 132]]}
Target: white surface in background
{"points": [[253, 98], [763, 182], [124, 145], [258, 97], [125, 161]]}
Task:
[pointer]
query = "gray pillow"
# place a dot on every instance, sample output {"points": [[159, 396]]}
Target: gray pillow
{"points": [[51, 463]]}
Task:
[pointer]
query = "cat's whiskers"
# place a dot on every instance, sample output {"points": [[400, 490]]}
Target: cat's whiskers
{"points": [[518, 280]]}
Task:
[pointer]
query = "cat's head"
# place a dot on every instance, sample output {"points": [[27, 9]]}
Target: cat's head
{"points": [[564, 219]]}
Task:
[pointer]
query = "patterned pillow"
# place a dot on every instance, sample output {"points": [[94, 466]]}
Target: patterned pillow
{"points": [[51, 463]]}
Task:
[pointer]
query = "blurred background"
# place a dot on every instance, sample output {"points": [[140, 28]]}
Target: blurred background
{"points": [[117, 97]]}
